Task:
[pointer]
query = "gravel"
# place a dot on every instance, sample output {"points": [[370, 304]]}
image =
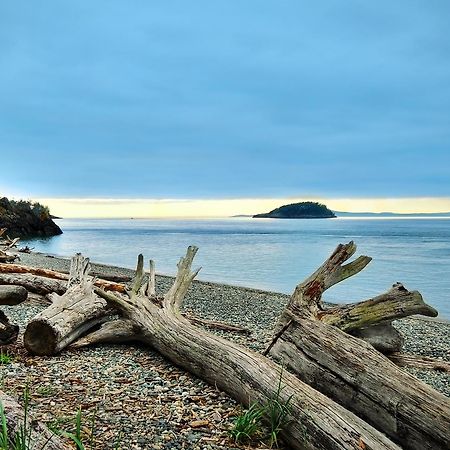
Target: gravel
{"points": [[138, 396]]}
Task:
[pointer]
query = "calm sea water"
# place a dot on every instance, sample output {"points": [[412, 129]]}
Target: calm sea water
{"points": [[275, 254]]}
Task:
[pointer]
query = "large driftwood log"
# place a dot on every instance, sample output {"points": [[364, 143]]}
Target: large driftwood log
{"points": [[33, 283], [419, 362], [40, 436], [371, 319], [315, 422], [79, 309], [19, 269], [349, 370], [8, 331], [69, 316], [12, 295], [7, 258]]}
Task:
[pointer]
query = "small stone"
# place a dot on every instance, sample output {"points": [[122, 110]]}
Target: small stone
{"points": [[198, 423]]}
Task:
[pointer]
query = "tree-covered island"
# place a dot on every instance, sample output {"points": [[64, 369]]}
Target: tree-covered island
{"points": [[302, 210]]}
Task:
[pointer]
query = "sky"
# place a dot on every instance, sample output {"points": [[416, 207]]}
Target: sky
{"points": [[240, 104]]}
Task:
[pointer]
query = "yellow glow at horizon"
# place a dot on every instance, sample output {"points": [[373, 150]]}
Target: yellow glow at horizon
{"points": [[171, 208]]}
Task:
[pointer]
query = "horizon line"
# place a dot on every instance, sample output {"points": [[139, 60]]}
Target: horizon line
{"points": [[214, 208]]}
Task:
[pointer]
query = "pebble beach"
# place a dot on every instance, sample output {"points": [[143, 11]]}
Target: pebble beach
{"points": [[138, 398]]}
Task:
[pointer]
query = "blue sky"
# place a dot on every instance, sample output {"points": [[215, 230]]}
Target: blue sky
{"points": [[220, 99]]}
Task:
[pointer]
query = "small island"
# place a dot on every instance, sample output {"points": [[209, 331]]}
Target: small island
{"points": [[302, 210]]}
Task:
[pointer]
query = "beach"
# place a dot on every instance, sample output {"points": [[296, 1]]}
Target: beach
{"points": [[136, 394]]}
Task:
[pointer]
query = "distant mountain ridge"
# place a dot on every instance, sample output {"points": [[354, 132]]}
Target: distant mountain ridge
{"points": [[302, 210], [26, 219]]}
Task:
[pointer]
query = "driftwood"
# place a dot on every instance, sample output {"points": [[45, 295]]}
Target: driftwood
{"points": [[40, 436], [7, 257], [7, 241], [314, 421], [25, 249], [19, 269], [69, 316], [419, 362], [33, 283], [10, 295], [309, 340], [79, 309], [8, 331], [349, 370]]}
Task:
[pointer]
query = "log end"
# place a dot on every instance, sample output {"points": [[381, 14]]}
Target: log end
{"points": [[40, 338]]}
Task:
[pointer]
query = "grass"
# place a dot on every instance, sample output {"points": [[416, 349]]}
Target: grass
{"points": [[22, 439], [45, 391], [274, 413], [5, 358], [248, 425], [277, 413]]}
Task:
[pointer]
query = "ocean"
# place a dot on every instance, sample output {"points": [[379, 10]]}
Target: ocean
{"points": [[273, 254]]}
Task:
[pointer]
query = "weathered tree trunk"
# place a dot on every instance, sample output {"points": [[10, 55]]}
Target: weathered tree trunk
{"points": [[7, 258], [52, 274], [361, 379], [419, 362], [33, 283], [79, 309], [12, 295], [40, 436], [315, 422], [349, 370], [69, 316], [370, 320], [8, 331]]}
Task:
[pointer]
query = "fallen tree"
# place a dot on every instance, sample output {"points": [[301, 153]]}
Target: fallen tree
{"points": [[349, 370], [52, 274]]}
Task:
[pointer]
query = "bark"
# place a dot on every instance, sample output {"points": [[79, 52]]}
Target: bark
{"points": [[69, 316], [349, 370], [396, 303], [40, 435], [361, 319], [52, 274], [8, 331], [12, 295], [7, 258], [33, 283], [314, 420], [419, 362], [79, 309]]}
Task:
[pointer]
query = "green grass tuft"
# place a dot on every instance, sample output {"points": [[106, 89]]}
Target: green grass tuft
{"points": [[248, 425]]}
